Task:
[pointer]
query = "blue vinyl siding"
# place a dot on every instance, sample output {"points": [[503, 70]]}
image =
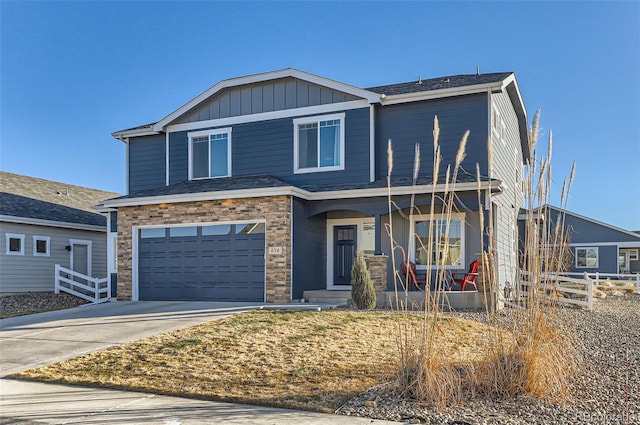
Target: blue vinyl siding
{"points": [[309, 250], [412, 123], [178, 157], [583, 231], [266, 147], [607, 260], [147, 163]]}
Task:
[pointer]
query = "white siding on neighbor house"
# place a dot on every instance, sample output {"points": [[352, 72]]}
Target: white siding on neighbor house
{"points": [[507, 165], [29, 273]]}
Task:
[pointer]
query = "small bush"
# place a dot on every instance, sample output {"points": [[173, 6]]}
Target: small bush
{"points": [[362, 292]]}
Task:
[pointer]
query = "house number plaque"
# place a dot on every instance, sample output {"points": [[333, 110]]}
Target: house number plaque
{"points": [[275, 250]]}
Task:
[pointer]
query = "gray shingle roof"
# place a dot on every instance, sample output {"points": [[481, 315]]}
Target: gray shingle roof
{"points": [[261, 181], [35, 198], [68, 195], [440, 83], [23, 207]]}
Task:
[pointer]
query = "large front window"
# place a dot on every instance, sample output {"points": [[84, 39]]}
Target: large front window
{"points": [[210, 153], [319, 143], [439, 242]]}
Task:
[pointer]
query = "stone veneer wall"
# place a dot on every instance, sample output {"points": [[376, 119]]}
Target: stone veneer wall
{"points": [[377, 266], [275, 210]]}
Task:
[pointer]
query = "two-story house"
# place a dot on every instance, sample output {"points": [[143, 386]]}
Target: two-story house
{"points": [[265, 186]]}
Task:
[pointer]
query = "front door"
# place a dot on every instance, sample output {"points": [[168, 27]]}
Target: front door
{"points": [[344, 239]]}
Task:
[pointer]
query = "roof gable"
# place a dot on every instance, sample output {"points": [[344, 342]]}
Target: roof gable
{"points": [[212, 102], [593, 230]]}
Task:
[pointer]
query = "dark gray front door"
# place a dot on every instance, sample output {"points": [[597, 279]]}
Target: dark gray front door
{"points": [[344, 252], [214, 263]]}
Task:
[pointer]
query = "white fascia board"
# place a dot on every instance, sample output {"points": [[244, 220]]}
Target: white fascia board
{"points": [[266, 116], [299, 193], [436, 94], [257, 78], [137, 132], [51, 223]]}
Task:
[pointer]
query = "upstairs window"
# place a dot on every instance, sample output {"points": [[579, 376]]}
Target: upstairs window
{"points": [[319, 143], [210, 153]]}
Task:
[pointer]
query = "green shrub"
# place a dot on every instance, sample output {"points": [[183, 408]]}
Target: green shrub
{"points": [[362, 292]]}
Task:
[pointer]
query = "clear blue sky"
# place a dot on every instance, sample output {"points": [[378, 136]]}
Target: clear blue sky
{"points": [[74, 72]]}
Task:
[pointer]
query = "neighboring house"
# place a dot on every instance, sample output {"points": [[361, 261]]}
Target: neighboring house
{"points": [[44, 223], [264, 186], [598, 246]]}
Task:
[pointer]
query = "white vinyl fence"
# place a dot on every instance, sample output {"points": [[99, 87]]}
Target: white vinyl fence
{"points": [[554, 288], [89, 288]]}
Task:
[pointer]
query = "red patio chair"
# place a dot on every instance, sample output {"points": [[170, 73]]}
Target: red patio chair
{"points": [[468, 279], [409, 270]]}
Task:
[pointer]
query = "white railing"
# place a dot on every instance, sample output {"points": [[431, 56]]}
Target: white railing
{"points": [[612, 281], [556, 288], [95, 290]]}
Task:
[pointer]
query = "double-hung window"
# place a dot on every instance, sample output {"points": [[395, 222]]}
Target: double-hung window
{"points": [[318, 143], [439, 242], [210, 153]]}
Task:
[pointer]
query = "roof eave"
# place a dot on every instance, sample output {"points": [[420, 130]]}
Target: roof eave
{"points": [[124, 135], [109, 205], [435, 94]]}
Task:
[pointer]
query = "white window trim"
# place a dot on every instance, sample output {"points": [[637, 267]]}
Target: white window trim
{"points": [[586, 266], [316, 120], [47, 239], [635, 254], [331, 223], [10, 236], [463, 242], [192, 134]]}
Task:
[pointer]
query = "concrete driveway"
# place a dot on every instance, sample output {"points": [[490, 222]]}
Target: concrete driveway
{"points": [[45, 338]]}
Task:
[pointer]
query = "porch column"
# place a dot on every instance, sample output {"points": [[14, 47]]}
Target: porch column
{"points": [[378, 235]]}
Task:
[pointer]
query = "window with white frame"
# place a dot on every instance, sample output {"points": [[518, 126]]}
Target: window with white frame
{"points": [[318, 143], [41, 246], [15, 244], [586, 257], [439, 242], [210, 153], [633, 255]]}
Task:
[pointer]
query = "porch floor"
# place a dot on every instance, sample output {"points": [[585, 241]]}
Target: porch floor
{"points": [[455, 300]]}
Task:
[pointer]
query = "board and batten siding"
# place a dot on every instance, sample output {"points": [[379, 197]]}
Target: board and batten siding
{"points": [[412, 123], [147, 164], [266, 147], [506, 166], [275, 95], [29, 273]]}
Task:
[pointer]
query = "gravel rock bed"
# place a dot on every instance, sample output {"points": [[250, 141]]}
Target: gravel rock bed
{"points": [[37, 301], [607, 337]]}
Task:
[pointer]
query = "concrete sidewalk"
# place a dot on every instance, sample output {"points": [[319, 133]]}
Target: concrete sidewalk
{"points": [[27, 403], [45, 338]]}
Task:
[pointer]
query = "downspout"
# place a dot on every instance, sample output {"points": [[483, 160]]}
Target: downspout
{"points": [[166, 158], [126, 170], [372, 143]]}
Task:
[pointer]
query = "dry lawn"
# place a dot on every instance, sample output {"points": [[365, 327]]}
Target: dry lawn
{"points": [[305, 360]]}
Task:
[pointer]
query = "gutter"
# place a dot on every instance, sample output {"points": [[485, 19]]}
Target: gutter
{"points": [[51, 223]]}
